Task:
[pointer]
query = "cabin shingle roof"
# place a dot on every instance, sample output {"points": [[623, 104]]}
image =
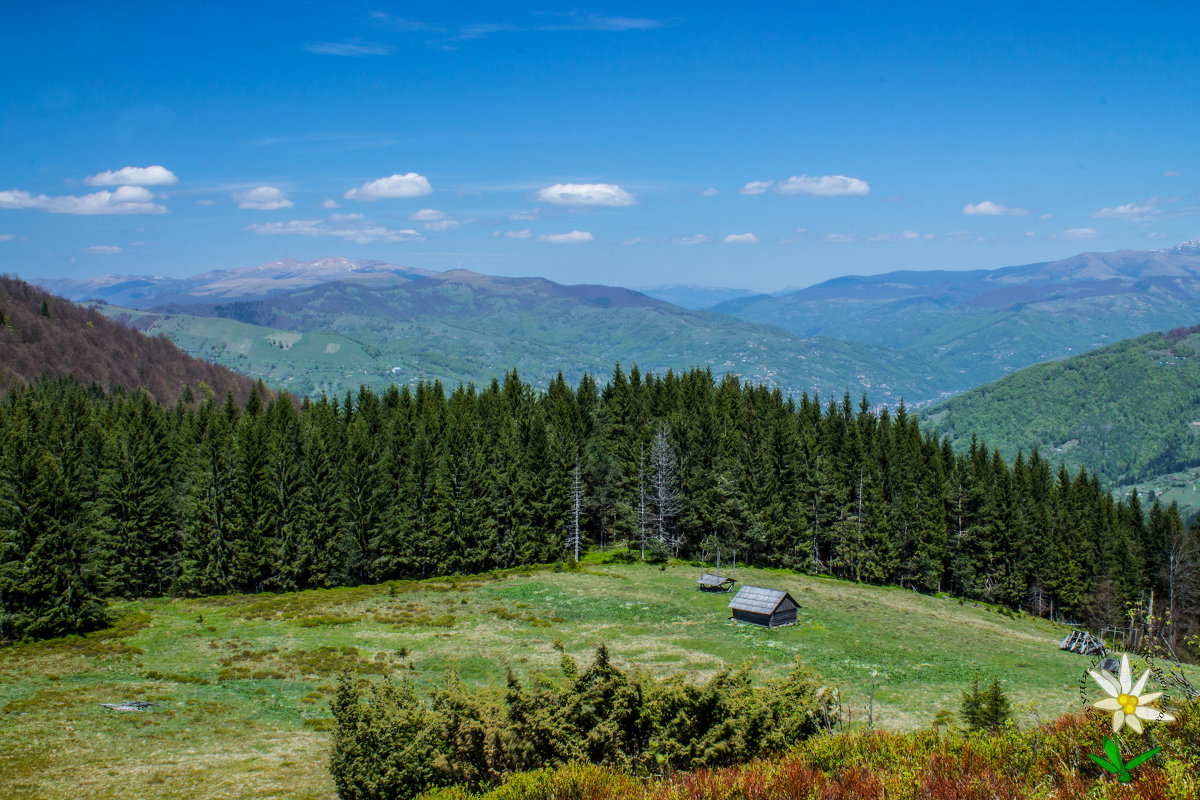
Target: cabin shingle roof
{"points": [[757, 600]]}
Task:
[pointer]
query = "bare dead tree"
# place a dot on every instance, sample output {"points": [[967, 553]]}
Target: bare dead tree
{"points": [[642, 498], [662, 485], [573, 534], [1183, 582]]}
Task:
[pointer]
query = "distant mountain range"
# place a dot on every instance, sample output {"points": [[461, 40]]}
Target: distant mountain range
{"points": [[697, 298], [987, 323], [332, 324], [141, 291], [42, 335], [462, 326]]}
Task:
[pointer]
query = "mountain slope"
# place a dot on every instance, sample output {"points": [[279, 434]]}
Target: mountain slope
{"points": [[464, 326], [1129, 411], [987, 323], [41, 334]]}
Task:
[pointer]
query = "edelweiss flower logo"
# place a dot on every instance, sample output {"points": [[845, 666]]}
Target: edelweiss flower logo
{"points": [[1129, 707], [1125, 699]]}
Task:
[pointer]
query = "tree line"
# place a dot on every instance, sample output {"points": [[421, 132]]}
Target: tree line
{"points": [[106, 494]]}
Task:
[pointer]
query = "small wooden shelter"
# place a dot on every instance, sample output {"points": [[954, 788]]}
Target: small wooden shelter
{"points": [[767, 607], [715, 583]]}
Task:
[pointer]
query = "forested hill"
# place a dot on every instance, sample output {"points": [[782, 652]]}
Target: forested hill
{"points": [[113, 495], [1129, 411], [41, 334]]}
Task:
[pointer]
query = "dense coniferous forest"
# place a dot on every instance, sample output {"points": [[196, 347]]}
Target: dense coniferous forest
{"points": [[112, 494]]}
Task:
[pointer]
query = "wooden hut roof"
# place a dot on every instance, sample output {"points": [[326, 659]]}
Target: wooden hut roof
{"points": [[757, 600]]}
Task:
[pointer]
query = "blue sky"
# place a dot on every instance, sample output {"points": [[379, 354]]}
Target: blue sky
{"points": [[761, 146]]}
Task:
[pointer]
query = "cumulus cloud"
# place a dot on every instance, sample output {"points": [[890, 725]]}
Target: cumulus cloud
{"points": [[351, 49], [7, 237], [989, 209], [756, 187], [125, 200], [1128, 211], [586, 194], [574, 237], [1075, 234], [134, 176], [329, 203], [1046, 216], [1172, 173], [741, 238], [699, 238], [351, 227], [103, 249], [410, 184], [710, 192], [264, 198], [522, 234], [839, 238], [824, 186]]}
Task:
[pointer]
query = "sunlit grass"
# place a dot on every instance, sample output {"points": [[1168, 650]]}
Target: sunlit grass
{"points": [[243, 682]]}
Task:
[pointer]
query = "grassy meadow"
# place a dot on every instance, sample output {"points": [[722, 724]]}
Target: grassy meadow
{"points": [[243, 682]]}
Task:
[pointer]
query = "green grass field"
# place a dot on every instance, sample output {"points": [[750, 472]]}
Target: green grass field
{"points": [[243, 682]]}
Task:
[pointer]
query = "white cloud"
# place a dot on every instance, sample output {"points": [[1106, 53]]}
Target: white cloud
{"points": [[1046, 216], [264, 198], [586, 194], [699, 238], [328, 203], [206, 202], [1075, 234], [352, 49], [351, 227], [824, 186], [526, 216], [134, 176], [902, 236], [756, 187], [525, 234], [574, 237], [958, 236], [838, 238], [435, 220], [7, 237], [710, 192], [741, 238], [103, 249], [409, 184], [1128, 211], [989, 209], [1172, 173], [125, 200]]}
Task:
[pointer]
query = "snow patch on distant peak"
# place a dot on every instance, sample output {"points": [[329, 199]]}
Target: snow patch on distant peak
{"points": [[1188, 248]]}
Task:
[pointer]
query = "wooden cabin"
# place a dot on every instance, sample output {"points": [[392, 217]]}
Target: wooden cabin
{"points": [[767, 607]]}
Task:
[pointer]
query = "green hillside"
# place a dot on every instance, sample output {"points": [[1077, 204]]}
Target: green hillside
{"points": [[243, 682], [465, 327], [1130, 411]]}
